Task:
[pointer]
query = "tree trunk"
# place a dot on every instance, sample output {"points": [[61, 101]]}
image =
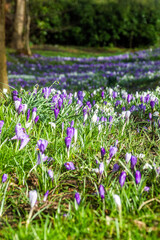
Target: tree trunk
{"points": [[3, 68], [17, 40], [20, 41], [27, 49]]}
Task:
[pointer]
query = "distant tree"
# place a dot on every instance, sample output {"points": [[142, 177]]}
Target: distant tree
{"points": [[3, 69], [20, 39]]}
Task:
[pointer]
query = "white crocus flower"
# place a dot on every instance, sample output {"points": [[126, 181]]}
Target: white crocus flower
{"points": [[94, 118], [117, 200], [52, 124], [147, 166], [75, 135], [32, 197], [85, 117], [127, 115], [128, 157]]}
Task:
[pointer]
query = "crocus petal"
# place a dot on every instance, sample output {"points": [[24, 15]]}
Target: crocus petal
{"points": [[32, 197]]}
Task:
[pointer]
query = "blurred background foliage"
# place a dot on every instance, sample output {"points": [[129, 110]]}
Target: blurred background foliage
{"points": [[93, 23]]}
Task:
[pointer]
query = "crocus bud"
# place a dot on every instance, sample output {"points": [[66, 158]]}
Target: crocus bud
{"points": [[77, 197], [56, 112], [127, 115], [34, 113], [122, 178], [36, 119], [152, 104], [28, 115], [46, 195], [17, 103], [101, 191], [103, 152], [133, 162], [102, 94], [101, 168], [70, 132], [129, 97], [115, 167], [112, 151], [146, 189], [128, 157], [150, 116], [72, 123], [1, 125], [4, 177], [94, 118], [32, 197], [117, 200], [50, 173], [68, 142], [75, 135], [110, 119], [137, 177]]}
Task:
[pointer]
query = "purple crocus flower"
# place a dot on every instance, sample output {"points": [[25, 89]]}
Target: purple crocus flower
{"points": [[24, 142], [129, 98], [118, 102], [110, 119], [94, 102], [1, 125], [17, 102], [114, 94], [72, 123], [112, 151], [46, 92], [103, 152], [133, 161], [50, 173], [34, 113], [45, 196], [150, 116], [42, 145], [68, 142], [70, 132], [152, 104], [21, 135], [41, 157], [101, 191], [28, 115], [101, 168], [60, 103], [77, 197], [102, 94], [36, 119], [115, 167], [56, 112], [146, 189], [4, 177], [137, 177], [14, 95], [80, 95], [69, 166], [122, 178]]}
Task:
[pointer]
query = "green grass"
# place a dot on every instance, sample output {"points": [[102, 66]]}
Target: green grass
{"points": [[59, 217]]}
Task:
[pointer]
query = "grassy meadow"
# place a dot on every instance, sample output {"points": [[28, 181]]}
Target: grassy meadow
{"points": [[79, 146]]}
